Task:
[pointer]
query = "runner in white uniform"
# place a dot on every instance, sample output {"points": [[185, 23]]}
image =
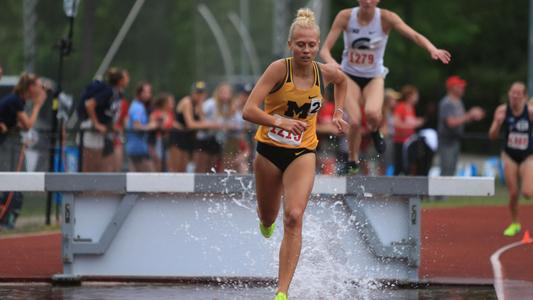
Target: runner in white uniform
{"points": [[366, 30], [364, 47]]}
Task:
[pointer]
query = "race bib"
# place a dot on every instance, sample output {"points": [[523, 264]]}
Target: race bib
{"points": [[518, 140], [285, 137], [362, 57]]}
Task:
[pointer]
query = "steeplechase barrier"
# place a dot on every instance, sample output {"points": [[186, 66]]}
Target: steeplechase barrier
{"points": [[151, 226]]}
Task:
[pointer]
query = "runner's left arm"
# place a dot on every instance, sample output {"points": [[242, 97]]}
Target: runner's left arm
{"points": [[332, 74], [395, 22]]}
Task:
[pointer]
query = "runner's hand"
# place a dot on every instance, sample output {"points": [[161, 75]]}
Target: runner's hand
{"points": [[339, 121], [499, 116], [334, 64], [3, 128], [440, 54], [295, 127]]}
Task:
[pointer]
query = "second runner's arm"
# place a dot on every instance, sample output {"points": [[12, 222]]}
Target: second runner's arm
{"points": [[338, 26], [399, 25]]}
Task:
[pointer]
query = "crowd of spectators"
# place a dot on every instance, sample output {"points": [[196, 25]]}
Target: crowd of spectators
{"points": [[204, 131], [199, 133]]}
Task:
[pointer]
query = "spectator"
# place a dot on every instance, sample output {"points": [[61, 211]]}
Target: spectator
{"points": [[327, 138], [28, 88], [190, 116], [418, 152], [387, 128], [216, 109], [163, 116], [430, 113], [405, 123], [98, 110], [118, 137], [236, 153], [1, 72], [137, 125], [451, 121]]}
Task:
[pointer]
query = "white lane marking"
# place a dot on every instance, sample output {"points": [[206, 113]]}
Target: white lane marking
{"points": [[497, 268]]}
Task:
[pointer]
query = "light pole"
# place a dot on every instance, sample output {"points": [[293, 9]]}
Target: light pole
{"points": [[70, 8]]}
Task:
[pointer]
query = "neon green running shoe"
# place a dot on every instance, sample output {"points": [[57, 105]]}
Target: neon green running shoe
{"points": [[280, 296], [512, 229], [267, 232]]}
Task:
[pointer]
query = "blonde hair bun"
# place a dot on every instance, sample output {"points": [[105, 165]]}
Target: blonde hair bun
{"points": [[306, 14], [305, 18]]}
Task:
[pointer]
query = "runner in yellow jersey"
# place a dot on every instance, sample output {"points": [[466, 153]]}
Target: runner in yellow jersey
{"points": [[292, 92]]}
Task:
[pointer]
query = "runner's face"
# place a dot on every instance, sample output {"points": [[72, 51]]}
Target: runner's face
{"points": [[304, 44], [368, 4], [517, 95]]}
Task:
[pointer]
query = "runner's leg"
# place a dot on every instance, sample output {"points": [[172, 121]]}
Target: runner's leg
{"points": [[510, 169], [353, 109], [297, 182], [268, 186], [526, 175], [373, 94]]}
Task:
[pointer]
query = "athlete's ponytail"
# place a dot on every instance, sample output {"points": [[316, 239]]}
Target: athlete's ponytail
{"points": [[304, 18]]}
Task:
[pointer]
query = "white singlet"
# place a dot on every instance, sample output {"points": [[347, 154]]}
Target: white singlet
{"points": [[364, 47]]}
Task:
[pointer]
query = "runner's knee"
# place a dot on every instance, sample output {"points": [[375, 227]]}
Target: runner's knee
{"points": [[293, 218], [373, 116], [355, 126]]}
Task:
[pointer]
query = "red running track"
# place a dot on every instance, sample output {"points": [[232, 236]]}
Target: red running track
{"points": [[456, 246]]}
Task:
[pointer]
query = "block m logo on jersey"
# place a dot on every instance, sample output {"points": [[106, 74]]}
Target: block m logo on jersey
{"points": [[304, 110]]}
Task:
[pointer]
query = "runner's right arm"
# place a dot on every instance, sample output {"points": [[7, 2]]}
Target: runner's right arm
{"points": [[338, 26], [495, 127]]}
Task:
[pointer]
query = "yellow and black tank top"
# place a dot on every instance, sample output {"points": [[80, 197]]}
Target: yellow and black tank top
{"points": [[288, 101]]}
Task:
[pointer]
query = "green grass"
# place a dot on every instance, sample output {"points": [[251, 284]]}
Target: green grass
{"points": [[30, 228], [34, 204], [32, 216], [500, 198]]}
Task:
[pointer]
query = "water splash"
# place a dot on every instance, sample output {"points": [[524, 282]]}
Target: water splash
{"points": [[324, 270]]}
